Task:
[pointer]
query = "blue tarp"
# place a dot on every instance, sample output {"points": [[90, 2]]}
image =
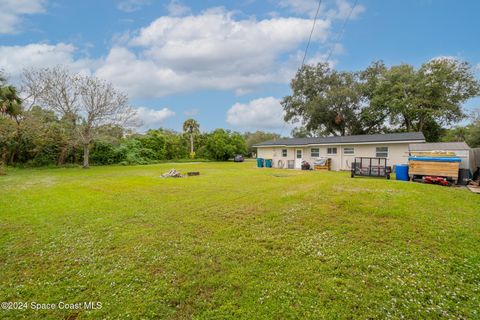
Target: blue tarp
{"points": [[436, 159]]}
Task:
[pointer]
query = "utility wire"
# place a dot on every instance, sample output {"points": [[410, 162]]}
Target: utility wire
{"points": [[306, 48], [311, 32], [340, 35]]}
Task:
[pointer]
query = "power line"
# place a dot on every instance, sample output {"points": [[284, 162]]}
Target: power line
{"points": [[306, 48], [340, 35], [311, 32]]}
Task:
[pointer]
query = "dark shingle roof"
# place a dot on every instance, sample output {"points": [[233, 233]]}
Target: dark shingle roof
{"points": [[439, 146], [389, 137]]}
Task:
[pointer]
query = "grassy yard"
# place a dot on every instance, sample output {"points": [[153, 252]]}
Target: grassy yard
{"points": [[236, 242]]}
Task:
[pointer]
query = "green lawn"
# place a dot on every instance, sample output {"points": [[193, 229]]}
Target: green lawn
{"points": [[236, 242]]}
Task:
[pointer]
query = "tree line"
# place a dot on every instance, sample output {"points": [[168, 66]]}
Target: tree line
{"points": [[382, 99], [57, 117]]}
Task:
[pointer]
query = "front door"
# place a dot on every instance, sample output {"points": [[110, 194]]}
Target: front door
{"points": [[298, 158]]}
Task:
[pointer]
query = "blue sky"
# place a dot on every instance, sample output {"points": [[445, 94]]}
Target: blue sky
{"points": [[226, 63]]}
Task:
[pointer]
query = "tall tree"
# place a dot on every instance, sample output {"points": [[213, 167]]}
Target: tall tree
{"points": [[223, 144], [87, 103], [56, 89], [101, 105], [326, 101], [432, 96], [10, 109], [192, 127], [10, 102]]}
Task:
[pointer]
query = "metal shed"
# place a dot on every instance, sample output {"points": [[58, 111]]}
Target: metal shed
{"points": [[459, 149]]}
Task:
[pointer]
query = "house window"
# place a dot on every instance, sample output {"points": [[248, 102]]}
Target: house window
{"points": [[349, 150], [331, 151], [284, 152], [381, 152], [315, 152], [299, 154]]}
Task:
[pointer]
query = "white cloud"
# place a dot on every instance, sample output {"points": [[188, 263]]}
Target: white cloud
{"points": [[339, 10], [152, 118], [13, 59], [176, 9], [12, 11], [131, 5], [344, 8], [212, 50], [300, 6], [263, 113]]}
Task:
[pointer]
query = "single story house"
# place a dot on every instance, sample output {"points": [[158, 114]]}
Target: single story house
{"points": [[460, 149], [289, 153]]}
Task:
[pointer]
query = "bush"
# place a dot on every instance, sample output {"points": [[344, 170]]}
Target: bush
{"points": [[103, 153], [223, 145]]}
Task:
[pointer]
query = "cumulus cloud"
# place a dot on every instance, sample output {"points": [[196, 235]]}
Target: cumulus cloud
{"points": [[148, 118], [176, 9], [343, 9], [131, 5], [300, 6], [340, 9], [13, 59], [263, 113], [12, 11], [212, 50]]}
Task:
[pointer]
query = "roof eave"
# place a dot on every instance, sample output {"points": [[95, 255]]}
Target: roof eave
{"points": [[339, 144]]}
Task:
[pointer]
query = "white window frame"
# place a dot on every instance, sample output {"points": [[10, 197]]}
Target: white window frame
{"points": [[349, 154], [317, 152], [284, 153], [329, 149], [297, 154], [384, 154]]}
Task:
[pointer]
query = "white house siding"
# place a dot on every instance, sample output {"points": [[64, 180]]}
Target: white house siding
{"points": [[397, 154]]}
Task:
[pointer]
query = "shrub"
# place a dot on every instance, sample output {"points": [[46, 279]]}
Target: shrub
{"points": [[2, 169], [103, 153]]}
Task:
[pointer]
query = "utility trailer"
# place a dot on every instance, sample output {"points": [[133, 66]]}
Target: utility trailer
{"points": [[445, 167], [371, 167]]}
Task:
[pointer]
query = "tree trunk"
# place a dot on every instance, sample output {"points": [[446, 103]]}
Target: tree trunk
{"points": [[407, 123], [61, 156], [191, 143], [74, 148], [420, 124], [2, 169], [86, 156]]}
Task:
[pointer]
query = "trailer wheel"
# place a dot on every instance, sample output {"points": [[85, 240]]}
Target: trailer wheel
{"points": [[352, 174], [388, 176]]}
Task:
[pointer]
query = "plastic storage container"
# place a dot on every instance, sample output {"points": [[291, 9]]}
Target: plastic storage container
{"points": [[401, 171], [268, 163], [260, 162]]}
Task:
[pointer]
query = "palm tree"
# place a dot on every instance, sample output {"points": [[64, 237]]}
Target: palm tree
{"points": [[10, 103], [191, 126]]}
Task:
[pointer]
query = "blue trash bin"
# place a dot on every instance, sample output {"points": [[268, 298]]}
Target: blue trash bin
{"points": [[260, 162], [401, 172], [268, 163]]}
